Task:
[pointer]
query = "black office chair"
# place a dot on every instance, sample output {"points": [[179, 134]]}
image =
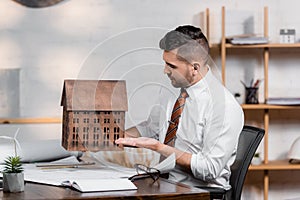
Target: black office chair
{"points": [[249, 140]]}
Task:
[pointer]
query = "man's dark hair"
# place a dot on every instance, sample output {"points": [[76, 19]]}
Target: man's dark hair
{"points": [[191, 43]]}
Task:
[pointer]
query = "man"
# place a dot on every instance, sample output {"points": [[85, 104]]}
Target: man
{"points": [[209, 123]]}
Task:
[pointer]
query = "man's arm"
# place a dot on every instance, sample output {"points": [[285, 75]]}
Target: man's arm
{"points": [[182, 158]]}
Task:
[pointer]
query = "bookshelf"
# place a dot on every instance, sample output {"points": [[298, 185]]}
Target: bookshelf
{"points": [[267, 165]]}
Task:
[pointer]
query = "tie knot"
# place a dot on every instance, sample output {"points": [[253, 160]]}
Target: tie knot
{"points": [[183, 93]]}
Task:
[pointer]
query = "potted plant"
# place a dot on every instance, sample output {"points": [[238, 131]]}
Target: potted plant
{"points": [[13, 177], [256, 160]]}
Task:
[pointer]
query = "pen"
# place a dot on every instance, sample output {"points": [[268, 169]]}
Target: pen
{"points": [[251, 82], [244, 84], [57, 166], [258, 82]]}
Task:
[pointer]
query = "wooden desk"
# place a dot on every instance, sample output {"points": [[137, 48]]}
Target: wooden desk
{"points": [[162, 189]]}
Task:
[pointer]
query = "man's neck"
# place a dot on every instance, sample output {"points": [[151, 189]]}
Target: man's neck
{"points": [[202, 73]]}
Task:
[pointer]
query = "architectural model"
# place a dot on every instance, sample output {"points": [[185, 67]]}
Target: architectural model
{"points": [[93, 114]]}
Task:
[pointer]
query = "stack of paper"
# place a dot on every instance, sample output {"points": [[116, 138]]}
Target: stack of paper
{"points": [[248, 40], [284, 101]]}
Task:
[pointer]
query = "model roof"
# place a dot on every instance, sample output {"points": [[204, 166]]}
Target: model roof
{"points": [[94, 95]]}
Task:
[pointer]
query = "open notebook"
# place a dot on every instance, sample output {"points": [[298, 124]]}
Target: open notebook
{"points": [[100, 185]]}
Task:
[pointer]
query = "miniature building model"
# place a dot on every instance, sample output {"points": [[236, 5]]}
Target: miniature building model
{"points": [[287, 35], [93, 114]]}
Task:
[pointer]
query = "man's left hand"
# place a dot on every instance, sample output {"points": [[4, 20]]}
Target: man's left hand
{"points": [[143, 142]]}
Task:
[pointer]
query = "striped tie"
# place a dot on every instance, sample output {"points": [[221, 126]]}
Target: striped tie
{"points": [[176, 113]]}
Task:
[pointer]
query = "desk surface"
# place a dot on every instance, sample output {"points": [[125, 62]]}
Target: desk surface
{"points": [[162, 189]]}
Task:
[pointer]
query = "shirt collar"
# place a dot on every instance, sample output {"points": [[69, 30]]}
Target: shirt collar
{"points": [[199, 86]]}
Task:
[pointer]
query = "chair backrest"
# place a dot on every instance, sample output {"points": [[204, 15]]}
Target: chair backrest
{"points": [[249, 140]]}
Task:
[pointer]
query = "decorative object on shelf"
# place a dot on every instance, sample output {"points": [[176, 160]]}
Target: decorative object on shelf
{"points": [[294, 152], [256, 160], [93, 114], [13, 177], [251, 96], [10, 93], [287, 35]]}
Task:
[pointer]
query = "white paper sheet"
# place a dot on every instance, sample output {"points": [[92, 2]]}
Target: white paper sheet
{"points": [[33, 151]]}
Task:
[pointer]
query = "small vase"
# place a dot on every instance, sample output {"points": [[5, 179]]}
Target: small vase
{"points": [[256, 161], [13, 182]]}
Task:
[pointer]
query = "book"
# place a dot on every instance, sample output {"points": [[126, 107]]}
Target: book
{"points": [[100, 185], [284, 101]]}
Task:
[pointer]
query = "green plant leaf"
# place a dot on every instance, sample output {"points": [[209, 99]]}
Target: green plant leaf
{"points": [[13, 164]]}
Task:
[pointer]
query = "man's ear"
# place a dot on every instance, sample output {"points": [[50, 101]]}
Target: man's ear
{"points": [[196, 66]]}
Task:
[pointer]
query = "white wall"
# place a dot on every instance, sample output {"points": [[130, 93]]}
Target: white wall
{"points": [[117, 39]]}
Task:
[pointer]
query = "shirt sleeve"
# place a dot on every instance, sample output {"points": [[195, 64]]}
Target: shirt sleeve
{"points": [[220, 140]]}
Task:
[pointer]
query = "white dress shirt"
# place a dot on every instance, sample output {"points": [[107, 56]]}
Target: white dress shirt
{"points": [[208, 129]]}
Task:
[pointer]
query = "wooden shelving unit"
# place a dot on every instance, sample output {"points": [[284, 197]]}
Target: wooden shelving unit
{"points": [[45, 120], [275, 165], [265, 108], [255, 46]]}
